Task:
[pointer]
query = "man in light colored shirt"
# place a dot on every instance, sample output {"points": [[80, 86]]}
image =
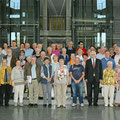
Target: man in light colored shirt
{"points": [[28, 50], [101, 54], [117, 56]]}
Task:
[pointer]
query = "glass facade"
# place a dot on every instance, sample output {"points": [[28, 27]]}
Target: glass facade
{"points": [[92, 22]]}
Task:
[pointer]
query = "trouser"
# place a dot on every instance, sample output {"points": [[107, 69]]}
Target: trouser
{"points": [[61, 94], [89, 91], [5, 89], [40, 90], [18, 93], [85, 86], [47, 92], [109, 92], [33, 92], [77, 88]]}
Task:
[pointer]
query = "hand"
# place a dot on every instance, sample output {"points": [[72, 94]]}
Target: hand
{"points": [[26, 81], [101, 82], [54, 83], [86, 80], [49, 79], [13, 84], [67, 83]]}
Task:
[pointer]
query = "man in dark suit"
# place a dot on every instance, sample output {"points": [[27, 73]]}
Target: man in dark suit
{"points": [[93, 76]]}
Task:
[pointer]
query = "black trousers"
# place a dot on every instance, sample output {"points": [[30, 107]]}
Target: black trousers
{"points": [[4, 89], [95, 86]]}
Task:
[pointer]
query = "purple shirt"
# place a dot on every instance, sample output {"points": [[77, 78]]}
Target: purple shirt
{"points": [[56, 52]]}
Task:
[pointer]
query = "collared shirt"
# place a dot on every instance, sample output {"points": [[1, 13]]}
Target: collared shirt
{"points": [[92, 60], [42, 72], [33, 71], [9, 61], [100, 56], [116, 58], [104, 62], [28, 52]]}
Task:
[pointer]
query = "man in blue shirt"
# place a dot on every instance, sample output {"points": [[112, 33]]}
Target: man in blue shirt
{"points": [[28, 50], [77, 74], [106, 59]]}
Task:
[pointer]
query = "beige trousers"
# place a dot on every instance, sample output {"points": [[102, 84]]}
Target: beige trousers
{"points": [[61, 94], [33, 92], [18, 93], [109, 92], [40, 90]]}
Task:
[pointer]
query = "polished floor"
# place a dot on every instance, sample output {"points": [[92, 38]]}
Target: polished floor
{"points": [[53, 113]]}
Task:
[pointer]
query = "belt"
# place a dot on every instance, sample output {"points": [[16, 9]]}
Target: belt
{"points": [[34, 78]]}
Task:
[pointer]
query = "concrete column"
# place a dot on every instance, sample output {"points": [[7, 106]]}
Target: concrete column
{"points": [[45, 24], [68, 20]]}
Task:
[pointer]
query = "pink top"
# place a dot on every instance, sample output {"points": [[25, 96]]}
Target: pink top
{"points": [[56, 52]]}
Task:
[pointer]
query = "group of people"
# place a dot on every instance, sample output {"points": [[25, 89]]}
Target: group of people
{"points": [[47, 72]]}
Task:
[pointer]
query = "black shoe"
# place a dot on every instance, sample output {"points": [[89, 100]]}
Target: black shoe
{"points": [[90, 104], [6, 105], [30, 104], [40, 98], [35, 105], [45, 105], [49, 105], [95, 104]]}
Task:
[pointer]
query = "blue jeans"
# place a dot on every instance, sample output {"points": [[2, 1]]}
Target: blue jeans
{"points": [[77, 90]]}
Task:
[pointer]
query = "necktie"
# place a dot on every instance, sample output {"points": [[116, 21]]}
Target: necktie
{"points": [[93, 63]]}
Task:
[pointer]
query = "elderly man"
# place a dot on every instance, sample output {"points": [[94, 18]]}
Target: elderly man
{"points": [[106, 59], [28, 50], [70, 49], [32, 76], [117, 56], [77, 75], [101, 54], [93, 76], [11, 60]]}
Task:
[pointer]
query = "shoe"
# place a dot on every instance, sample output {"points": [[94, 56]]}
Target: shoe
{"points": [[6, 105], [90, 104], [106, 105], [58, 106], [111, 105], [21, 104], [73, 105], [45, 105], [30, 104], [95, 104], [82, 105], [40, 98], [15, 104], [35, 105], [49, 105], [64, 106]]}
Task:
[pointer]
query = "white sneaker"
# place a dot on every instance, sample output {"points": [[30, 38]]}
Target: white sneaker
{"points": [[111, 105], [82, 105], [15, 104], [73, 105], [106, 105], [21, 104]]}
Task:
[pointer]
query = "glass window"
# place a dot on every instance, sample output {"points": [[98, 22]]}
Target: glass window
{"points": [[23, 14], [101, 4], [15, 4], [15, 16]]}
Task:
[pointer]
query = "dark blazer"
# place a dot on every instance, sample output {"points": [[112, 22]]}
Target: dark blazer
{"points": [[89, 70]]}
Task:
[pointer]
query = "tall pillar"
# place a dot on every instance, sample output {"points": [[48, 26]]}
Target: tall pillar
{"points": [[68, 20], [45, 24]]}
